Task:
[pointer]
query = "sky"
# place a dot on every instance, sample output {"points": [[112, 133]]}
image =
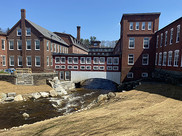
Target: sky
{"points": [[99, 18]]}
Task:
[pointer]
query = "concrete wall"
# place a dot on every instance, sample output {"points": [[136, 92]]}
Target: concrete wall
{"points": [[77, 76]]}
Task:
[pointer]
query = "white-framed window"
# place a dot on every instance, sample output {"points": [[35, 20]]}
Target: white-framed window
{"points": [[47, 46], [109, 60], [57, 67], [82, 67], [161, 40], [96, 60], [51, 47], [101, 68], [171, 36], [54, 47], [130, 75], [109, 67], [95, 68], [145, 59], [170, 56], [4, 60], [47, 60], [67, 75], [131, 43], [75, 60], [63, 60], [131, 26], [88, 67], [160, 59], [149, 25], [156, 55], [69, 66], [178, 34], [57, 60], [60, 48], [70, 60], [61, 75], [143, 25], [57, 48], [3, 44], [102, 60], [146, 42], [115, 61], [11, 44], [11, 60], [37, 61], [37, 44], [176, 58], [157, 41], [88, 60], [82, 60], [20, 61], [29, 61], [19, 44], [130, 59], [115, 68], [137, 26], [63, 66], [166, 38], [75, 67], [28, 31], [164, 58], [144, 74], [19, 32], [28, 44], [51, 61]]}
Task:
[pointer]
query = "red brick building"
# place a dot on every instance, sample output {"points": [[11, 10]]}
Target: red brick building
{"points": [[3, 51]]}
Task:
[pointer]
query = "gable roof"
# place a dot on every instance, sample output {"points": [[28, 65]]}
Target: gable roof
{"points": [[48, 34]]}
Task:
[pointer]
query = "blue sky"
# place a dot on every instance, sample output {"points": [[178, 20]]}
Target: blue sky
{"points": [[98, 18]]}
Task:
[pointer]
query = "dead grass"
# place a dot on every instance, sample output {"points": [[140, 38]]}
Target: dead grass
{"points": [[138, 112], [6, 87]]}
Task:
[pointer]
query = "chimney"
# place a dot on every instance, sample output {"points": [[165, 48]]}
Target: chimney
{"points": [[78, 32], [23, 13]]}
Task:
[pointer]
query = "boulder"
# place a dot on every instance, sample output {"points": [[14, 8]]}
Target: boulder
{"points": [[3, 96], [102, 97], [44, 94], [111, 95], [18, 98], [9, 99], [25, 115], [60, 90], [12, 94], [36, 95], [53, 93]]}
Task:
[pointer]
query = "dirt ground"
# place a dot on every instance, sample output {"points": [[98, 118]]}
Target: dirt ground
{"points": [[149, 110], [6, 87]]}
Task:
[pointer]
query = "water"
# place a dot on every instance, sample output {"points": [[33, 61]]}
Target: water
{"points": [[45, 108]]}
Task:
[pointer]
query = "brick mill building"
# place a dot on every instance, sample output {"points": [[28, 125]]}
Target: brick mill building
{"points": [[3, 51]]}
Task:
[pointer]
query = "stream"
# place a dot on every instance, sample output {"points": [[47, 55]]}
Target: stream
{"points": [[45, 108]]}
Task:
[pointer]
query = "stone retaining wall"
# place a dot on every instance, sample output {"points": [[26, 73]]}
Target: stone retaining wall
{"points": [[40, 78], [8, 78]]}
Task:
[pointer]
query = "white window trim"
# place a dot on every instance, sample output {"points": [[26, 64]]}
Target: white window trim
{"points": [[10, 61], [47, 45], [19, 61], [57, 67], [36, 61], [82, 68], [94, 60], [174, 58], [109, 67], [27, 61], [74, 61], [171, 36], [30, 44], [71, 61], [156, 58], [144, 74], [89, 59], [157, 41], [81, 60], [26, 32], [164, 53], [66, 76], [51, 61], [9, 44], [88, 68], [100, 67], [47, 58], [136, 26], [148, 43], [147, 59], [61, 72], [178, 27], [117, 61], [165, 44], [170, 52], [95, 67], [63, 67], [69, 67], [75, 66], [131, 26], [143, 25], [150, 25], [56, 61], [35, 45], [4, 60], [115, 68], [131, 75], [103, 59], [129, 43], [17, 45], [64, 59], [161, 41], [108, 59], [17, 31], [4, 44], [160, 54], [128, 59]]}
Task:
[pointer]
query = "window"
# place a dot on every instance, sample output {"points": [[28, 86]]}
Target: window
{"points": [[37, 61], [144, 74], [19, 60], [47, 60], [101, 68], [60, 49], [69, 67], [130, 75], [146, 43], [75, 67], [18, 32], [61, 75], [75, 60], [170, 53], [3, 44], [109, 67], [88, 67], [82, 67], [37, 45], [28, 43], [51, 47], [63, 60], [178, 34], [95, 68], [57, 48], [4, 60], [96, 60], [160, 59], [131, 26], [130, 59], [47, 45], [145, 59], [143, 25], [67, 75], [176, 58], [109, 60], [82, 60], [171, 36], [19, 44], [131, 43], [88, 60], [149, 25], [51, 61], [11, 60], [102, 60], [166, 38], [157, 41], [115, 61], [70, 59], [11, 45], [63, 67], [164, 58], [54, 47], [156, 55], [137, 26], [57, 67], [28, 31], [161, 40], [57, 60], [29, 60], [115, 68]]}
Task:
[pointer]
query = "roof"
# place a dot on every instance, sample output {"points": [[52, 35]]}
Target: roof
{"points": [[83, 55], [48, 34], [139, 14], [3, 34]]}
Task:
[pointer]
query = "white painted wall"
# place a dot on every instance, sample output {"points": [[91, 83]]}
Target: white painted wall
{"points": [[77, 76]]}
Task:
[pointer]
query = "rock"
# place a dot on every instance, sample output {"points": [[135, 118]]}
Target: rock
{"points": [[53, 93], [44, 94], [60, 91], [36, 95], [12, 94], [25, 115], [3, 96], [111, 95], [55, 78], [9, 99], [102, 97], [18, 98]]}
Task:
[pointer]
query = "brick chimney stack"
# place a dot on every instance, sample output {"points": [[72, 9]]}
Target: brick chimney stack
{"points": [[23, 36], [78, 32], [23, 13]]}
